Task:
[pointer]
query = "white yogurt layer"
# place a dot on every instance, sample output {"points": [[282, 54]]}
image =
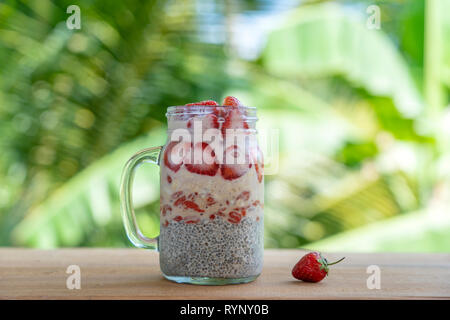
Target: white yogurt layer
{"points": [[226, 193]]}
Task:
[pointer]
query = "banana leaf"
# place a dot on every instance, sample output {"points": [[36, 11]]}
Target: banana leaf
{"points": [[419, 231], [324, 40], [89, 202]]}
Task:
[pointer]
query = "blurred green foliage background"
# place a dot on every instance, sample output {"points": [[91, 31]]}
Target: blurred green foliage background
{"points": [[363, 114]]}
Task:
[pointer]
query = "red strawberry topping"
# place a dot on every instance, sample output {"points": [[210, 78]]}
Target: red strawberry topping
{"points": [[203, 160], [231, 168], [165, 209], [210, 201], [231, 101], [210, 121], [203, 103], [186, 202], [192, 196], [177, 194], [178, 218], [259, 172], [234, 120], [221, 211], [235, 216], [245, 195], [258, 160], [192, 205], [174, 166], [229, 173], [191, 219], [180, 201], [174, 154]]}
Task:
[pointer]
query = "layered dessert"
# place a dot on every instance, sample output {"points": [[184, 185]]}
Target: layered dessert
{"points": [[212, 205]]}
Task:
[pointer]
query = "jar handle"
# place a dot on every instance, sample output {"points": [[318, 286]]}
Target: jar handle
{"points": [[150, 155]]}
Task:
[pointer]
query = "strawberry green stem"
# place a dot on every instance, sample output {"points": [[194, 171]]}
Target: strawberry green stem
{"points": [[336, 261]]}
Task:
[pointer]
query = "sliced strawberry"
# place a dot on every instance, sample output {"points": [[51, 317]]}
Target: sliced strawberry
{"points": [[210, 201], [178, 218], [210, 121], [231, 101], [220, 111], [180, 201], [212, 216], [174, 154], [234, 120], [192, 196], [258, 159], [231, 168], [221, 212], [191, 219], [228, 173], [244, 195], [203, 103], [192, 205], [174, 166], [166, 209], [242, 211], [259, 172], [235, 216], [259, 166], [177, 194], [207, 158]]}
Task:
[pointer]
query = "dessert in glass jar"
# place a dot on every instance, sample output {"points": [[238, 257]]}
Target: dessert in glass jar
{"points": [[212, 195]]}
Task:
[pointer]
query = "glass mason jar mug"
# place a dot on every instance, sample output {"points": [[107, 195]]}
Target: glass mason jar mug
{"points": [[211, 196]]}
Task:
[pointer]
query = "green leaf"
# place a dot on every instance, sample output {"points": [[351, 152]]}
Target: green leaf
{"points": [[89, 201], [323, 40], [420, 231]]}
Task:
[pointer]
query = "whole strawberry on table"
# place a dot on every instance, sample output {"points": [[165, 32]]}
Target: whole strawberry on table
{"points": [[312, 267]]}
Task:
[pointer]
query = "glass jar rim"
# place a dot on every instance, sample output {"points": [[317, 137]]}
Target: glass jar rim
{"points": [[194, 110], [202, 106]]}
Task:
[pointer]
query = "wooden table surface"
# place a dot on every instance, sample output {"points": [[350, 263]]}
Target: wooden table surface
{"points": [[135, 274]]}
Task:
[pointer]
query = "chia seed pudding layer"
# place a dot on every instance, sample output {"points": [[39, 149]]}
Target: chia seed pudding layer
{"points": [[215, 249]]}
